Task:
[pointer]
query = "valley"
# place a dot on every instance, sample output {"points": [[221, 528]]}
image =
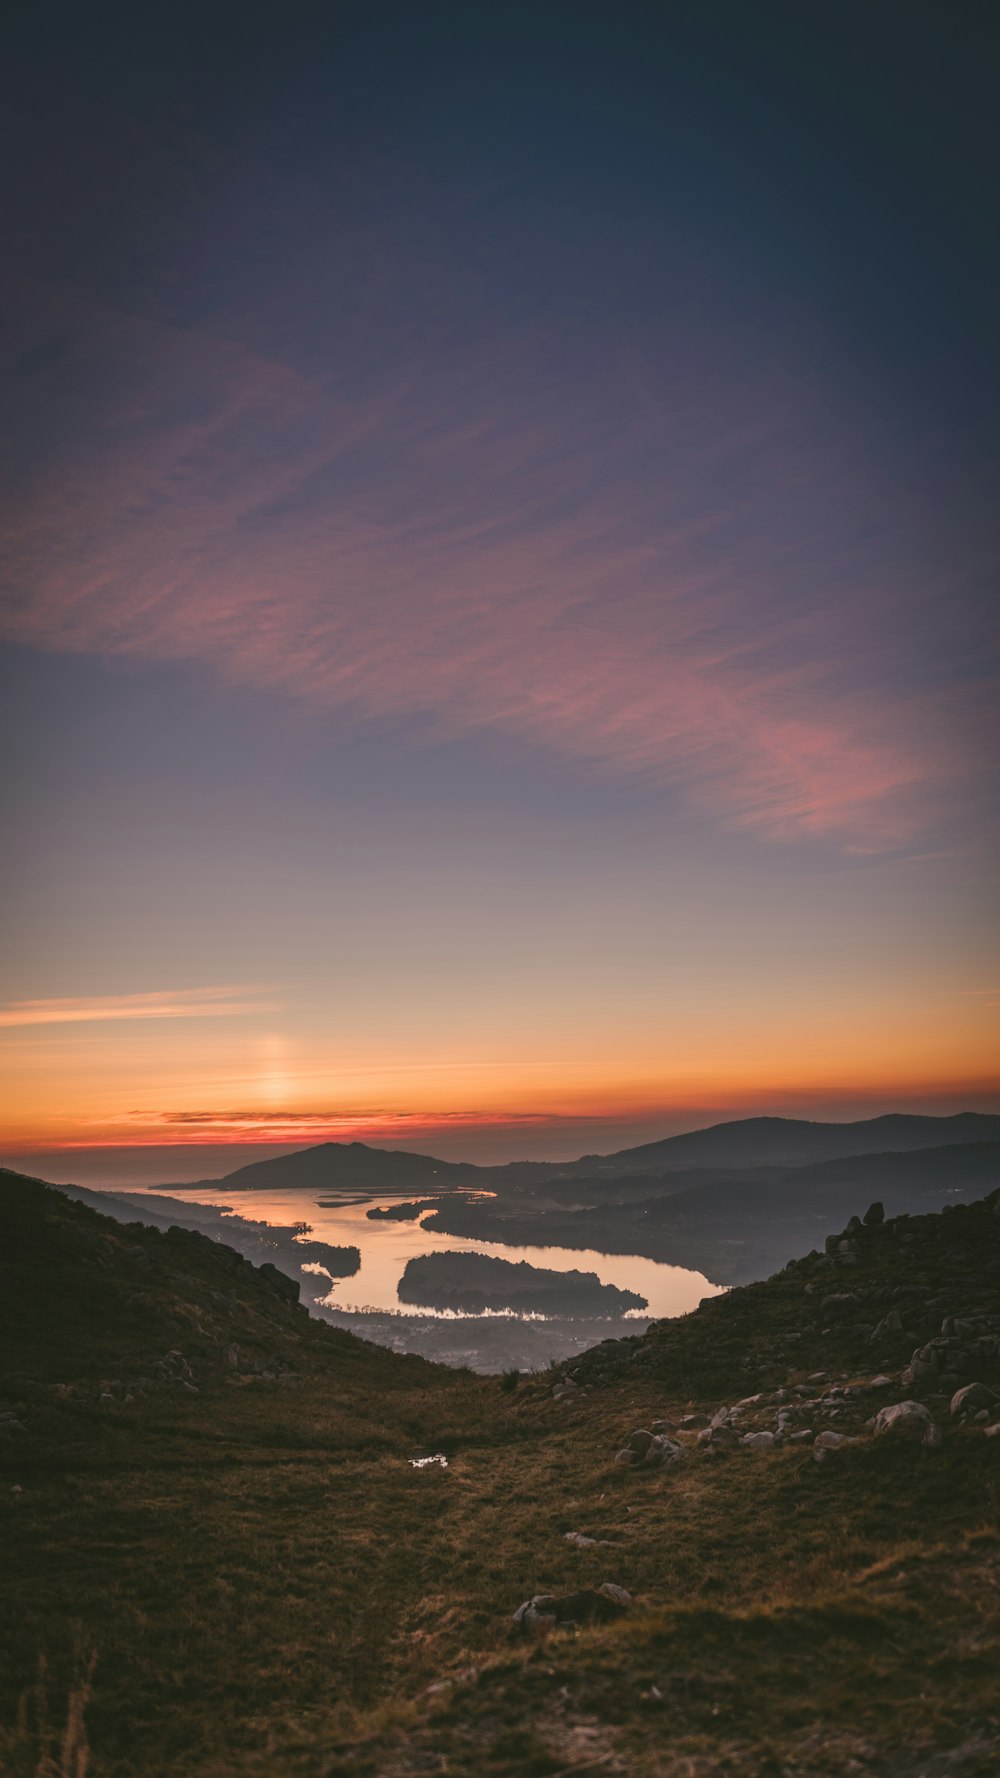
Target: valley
{"points": [[222, 1558]]}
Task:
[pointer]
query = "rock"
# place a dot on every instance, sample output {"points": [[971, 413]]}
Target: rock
{"points": [[881, 1382], [588, 1606], [908, 1422], [693, 1423], [719, 1438], [805, 1437], [665, 1452], [580, 1541], [650, 1450], [831, 1441], [973, 1399], [874, 1216], [758, 1441], [662, 1426], [890, 1324], [639, 1442], [992, 1431]]}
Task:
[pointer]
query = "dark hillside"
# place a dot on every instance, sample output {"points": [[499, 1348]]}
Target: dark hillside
{"points": [[259, 1242], [220, 1561], [82, 1295], [733, 1226]]}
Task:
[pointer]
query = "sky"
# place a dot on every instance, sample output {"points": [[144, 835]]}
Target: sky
{"points": [[499, 534]]}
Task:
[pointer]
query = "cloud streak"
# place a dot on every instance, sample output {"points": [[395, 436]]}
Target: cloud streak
{"points": [[480, 544], [185, 1003]]}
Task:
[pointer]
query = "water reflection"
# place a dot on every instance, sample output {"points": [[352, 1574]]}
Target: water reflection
{"points": [[386, 1245]]}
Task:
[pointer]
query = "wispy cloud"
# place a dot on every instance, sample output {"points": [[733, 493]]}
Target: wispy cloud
{"points": [[317, 1126], [185, 1003], [648, 585]]}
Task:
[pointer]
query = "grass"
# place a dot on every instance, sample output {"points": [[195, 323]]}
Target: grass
{"points": [[253, 1580]]}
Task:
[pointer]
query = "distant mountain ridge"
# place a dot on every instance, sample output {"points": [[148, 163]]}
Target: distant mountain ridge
{"points": [[740, 1142], [795, 1142]]}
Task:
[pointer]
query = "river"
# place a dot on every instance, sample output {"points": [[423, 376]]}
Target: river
{"points": [[385, 1247]]}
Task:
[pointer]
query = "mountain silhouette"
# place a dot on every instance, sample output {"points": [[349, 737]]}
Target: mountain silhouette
{"points": [[740, 1142]]}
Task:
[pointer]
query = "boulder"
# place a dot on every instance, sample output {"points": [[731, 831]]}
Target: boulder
{"points": [[907, 1422], [719, 1438], [874, 1216], [591, 1605], [692, 1423], [972, 1400], [649, 1450], [758, 1441]]}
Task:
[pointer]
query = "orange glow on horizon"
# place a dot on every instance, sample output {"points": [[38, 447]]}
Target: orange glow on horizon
{"points": [[185, 1075], [303, 1129]]}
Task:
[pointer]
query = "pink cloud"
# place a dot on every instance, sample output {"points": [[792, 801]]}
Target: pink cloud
{"points": [[449, 551]]}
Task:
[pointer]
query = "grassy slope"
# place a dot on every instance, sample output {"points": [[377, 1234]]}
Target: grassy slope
{"points": [[269, 1587]]}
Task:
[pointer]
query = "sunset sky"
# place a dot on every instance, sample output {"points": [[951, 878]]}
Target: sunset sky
{"points": [[499, 590]]}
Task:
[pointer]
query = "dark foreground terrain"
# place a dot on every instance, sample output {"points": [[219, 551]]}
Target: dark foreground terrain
{"points": [[219, 1558]]}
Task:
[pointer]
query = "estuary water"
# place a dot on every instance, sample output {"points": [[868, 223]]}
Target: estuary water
{"points": [[386, 1246]]}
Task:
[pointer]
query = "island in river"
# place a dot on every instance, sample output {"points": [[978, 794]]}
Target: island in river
{"points": [[409, 1212], [471, 1283]]}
